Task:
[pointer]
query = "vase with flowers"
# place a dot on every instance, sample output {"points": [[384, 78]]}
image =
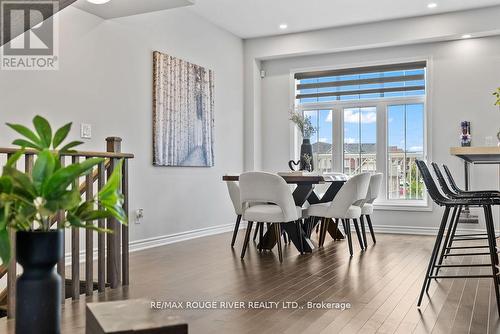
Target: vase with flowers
{"points": [[496, 94], [307, 129]]}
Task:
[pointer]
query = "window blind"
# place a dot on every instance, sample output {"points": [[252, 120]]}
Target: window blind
{"points": [[362, 82]]}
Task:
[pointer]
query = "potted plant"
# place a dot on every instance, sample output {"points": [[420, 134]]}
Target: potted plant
{"points": [[306, 128], [496, 94], [28, 205]]}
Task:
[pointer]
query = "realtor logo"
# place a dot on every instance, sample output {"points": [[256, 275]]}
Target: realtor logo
{"points": [[29, 35]]}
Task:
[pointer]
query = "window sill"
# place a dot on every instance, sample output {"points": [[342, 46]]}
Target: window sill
{"points": [[404, 205]]}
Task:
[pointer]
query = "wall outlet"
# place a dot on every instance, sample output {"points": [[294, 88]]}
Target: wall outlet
{"points": [[86, 131], [139, 215]]}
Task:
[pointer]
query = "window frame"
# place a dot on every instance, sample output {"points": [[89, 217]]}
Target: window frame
{"points": [[382, 155]]}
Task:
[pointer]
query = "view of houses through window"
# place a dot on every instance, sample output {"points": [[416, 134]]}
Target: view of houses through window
{"points": [[347, 118]]}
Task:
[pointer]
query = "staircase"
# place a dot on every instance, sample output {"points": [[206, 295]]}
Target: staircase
{"points": [[112, 248]]}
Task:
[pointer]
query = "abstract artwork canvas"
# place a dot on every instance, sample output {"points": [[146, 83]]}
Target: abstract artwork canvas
{"points": [[183, 113]]}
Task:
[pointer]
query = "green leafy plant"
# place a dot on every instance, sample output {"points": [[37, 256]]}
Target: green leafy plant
{"points": [[29, 202], [497, 95], [303, 123]]}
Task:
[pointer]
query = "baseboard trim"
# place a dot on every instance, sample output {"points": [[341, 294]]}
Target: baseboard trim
{"points": [[143, 244]]}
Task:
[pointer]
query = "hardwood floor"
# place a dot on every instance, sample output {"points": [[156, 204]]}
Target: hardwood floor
{"points": [[381, 284]]}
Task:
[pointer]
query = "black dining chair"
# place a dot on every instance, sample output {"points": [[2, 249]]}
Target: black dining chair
{"points": [[455, 203]]}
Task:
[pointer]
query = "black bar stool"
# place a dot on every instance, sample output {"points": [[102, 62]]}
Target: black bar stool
{"points": [[459, 191], [451, 232], [455, 204]]}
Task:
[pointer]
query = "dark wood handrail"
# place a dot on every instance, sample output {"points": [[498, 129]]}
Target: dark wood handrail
{"points": [[85, 154], [113, 249]]}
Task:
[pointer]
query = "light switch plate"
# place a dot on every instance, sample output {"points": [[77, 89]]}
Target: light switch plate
{"points": [[86, 131]]}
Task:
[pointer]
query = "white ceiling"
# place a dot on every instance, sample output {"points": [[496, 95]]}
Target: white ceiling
{"points": [[120, 8], [255, 18]]}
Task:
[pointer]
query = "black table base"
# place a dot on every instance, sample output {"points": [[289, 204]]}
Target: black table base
{"points": [[302, 194]]}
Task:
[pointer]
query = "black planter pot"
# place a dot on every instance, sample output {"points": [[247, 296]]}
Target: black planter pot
{"points": [[306, 148], [38, 289]]}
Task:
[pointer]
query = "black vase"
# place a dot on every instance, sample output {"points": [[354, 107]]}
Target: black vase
{"points": [[38, 289], [306, 148]]}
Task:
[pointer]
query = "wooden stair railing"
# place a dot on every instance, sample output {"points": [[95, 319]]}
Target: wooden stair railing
{"points": [[112, 249]]}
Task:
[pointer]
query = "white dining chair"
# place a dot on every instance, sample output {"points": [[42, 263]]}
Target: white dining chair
{"points": [[345, 206], [367, 208], [234, 193], [257, 188]]}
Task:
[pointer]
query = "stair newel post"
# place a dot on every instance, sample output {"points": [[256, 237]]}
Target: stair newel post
{"points": [[113, 144], [89, 238], [101, 238], [61, 265], [12, 273], [125, 233], [75, 248]]}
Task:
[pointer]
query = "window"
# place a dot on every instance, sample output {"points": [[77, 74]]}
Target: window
{"points": [[360, 140], [405, 140], [322, 140], [369, 119]]}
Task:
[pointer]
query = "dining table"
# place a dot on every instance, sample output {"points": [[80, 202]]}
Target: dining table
{"points": [[303, 193]]}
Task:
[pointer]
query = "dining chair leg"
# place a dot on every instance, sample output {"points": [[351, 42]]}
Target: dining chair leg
{"points": [[338, 235], [369, 222], [261, 236], [322, 231], [236, 228], [437, 244], [300, 233], [257, 226], [285, 239], [277, 228], [247, 239], [347, 229], [327, 225], [363, 230], [336, 228], [358, 233]]}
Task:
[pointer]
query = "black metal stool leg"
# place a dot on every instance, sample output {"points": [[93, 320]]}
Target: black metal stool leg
{"points": [[434, 254], [457, 219], [448, 234], [493, 253]]}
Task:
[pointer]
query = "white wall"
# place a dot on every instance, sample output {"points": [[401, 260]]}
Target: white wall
{"points": [[105, 79], [463, 75]]}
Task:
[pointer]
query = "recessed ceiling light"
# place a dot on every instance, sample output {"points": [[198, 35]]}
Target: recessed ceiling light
{"points": [[283, 26], [432, 5], [466, 36], [98, 2]]}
